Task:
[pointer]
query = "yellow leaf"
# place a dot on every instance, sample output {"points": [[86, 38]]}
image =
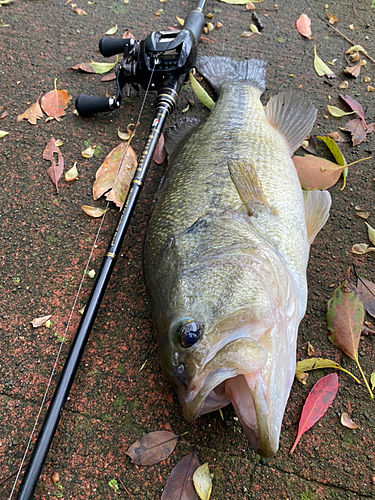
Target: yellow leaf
{"points": [[254, 29], [337, 112], [3, 133], [93, 211], [316, 363], [180, 20], [202, 482], [111, 31], [101, 68], [321, 68], [201, 93], [371, 233], [372, 380]]}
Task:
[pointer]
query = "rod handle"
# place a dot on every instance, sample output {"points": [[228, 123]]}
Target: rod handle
{"points": [[110, 46], [86, 105]]}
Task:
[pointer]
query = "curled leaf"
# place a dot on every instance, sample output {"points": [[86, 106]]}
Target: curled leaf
{"points": [[353, 70], [318, 363], [111, 31], [362, 248], [93, 211], [180, 21], [331, 18], [3, 133], [33, 113], [302, 377], [152, 448], [316, 404], [88, 152], [371, 233], [321, 68], [37, 322], [356, 48], [348, 422], [72, 174], [303, 25], [337, 112], [202, 482]]}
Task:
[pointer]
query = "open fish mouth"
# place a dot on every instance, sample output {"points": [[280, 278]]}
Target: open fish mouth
{"points": [[237, 374]]}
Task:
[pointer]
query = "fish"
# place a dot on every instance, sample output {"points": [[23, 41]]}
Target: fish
{"points": [[226, 252]]}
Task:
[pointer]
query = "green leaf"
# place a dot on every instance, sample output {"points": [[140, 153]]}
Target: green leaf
{"points": [[337, 112], [202, 482], [100, 68], [321, 68], [372, 378], [371, 233], [201, 93], [335, 150], [316, 363], [3, 133]]}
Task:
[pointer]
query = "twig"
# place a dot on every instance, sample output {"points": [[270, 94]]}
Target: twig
{"points": [[350, 41], [7, 478], [359, 17], [125, 488]]}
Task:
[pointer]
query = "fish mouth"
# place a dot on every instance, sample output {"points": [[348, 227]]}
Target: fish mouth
{"points": [[241, 373]]}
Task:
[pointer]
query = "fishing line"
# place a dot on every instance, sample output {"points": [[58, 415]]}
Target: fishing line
{"points": [[77, 295]]}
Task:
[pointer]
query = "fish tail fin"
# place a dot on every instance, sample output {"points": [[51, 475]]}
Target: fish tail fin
{"points": [[293, 116], [220, 70]]}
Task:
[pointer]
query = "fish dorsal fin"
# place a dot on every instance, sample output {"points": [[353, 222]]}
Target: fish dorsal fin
{"points": [[178, 133], [293, 116], [317, 205], [249, 187]]}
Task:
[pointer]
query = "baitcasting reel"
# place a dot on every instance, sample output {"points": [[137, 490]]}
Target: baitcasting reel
{"points": [[161, 56]]}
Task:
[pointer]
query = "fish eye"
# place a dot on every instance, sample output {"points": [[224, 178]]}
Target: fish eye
{"points": [[190, 332]]}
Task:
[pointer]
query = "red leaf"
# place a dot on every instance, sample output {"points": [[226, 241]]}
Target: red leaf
{"points": [[160, 152], [84, 66], [152, 448], [54, 171], [303, 25], [317, 403], [54, 103], [109, 77], [354, 106], [179, 485], [358, 130]]}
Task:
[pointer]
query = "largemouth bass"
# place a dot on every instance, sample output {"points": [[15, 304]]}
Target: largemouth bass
{"points": [[227, 249]]}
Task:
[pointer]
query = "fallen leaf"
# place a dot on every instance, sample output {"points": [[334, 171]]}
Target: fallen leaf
{"points": [[310, 349], [336, 137], [55, 477], [54, 103], [108, 78], [180, 21], [111, 31], [366, 292], [93, 211], [318, 363], [84, 66], [356, 48], [353, 70], [372, 380], [348, 422], [247, 34], [321, 68], [316, 173], [316, 404], [358, 130], [4, 115], [254, 29], [302, 377], [101, 68], [179, 485], [344, 85], [362, 248], [152, 448], [160, 153], [354, 106], [80, 12], [201, 93], [331, 18], [127, 34], [72, 174], [88, 152], [37, 322], [310, 145], [303, 25], [3, 133], [339, 157], [337, 112], [115, 174], [33, 113], [371, 233], [54, 171], [202, 482], [345, 317], [363, 215]]}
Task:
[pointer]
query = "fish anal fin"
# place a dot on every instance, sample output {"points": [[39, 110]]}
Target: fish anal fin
{"points": [[293, 116], [317, 205], [249, 187]]}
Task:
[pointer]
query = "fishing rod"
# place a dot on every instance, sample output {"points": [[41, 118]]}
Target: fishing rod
{"points": [[159, 62]]}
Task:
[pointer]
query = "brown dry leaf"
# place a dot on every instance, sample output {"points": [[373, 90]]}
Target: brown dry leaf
{"points": [[366, 292], [93, 211], [348, 422], [152, 448], [336, 137], [84, 66], [54, 171], [54, 103], [363, 215], [127, 34], [303, 25], [32, 114], [316, 173], [55, 477], [353, 70], [331, 18], [115, 174], [5, 114], [362, 248], [80, 12], [358, 130], [37, 322], [310, 349], [302, 377], [72, 173], [109, 77], [160, 153], [179, 485]]}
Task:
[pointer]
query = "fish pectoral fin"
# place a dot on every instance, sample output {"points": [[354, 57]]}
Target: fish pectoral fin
{"points": [[177, 134], [293, 116], [317, 205], [249, 187]]}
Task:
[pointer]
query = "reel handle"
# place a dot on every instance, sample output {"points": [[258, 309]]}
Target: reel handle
{"points": [[110, 46], [86, 105]]}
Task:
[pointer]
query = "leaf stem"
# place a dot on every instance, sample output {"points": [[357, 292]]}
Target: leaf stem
{"points": [[357, 161], [353, 376], [364, 378]]}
